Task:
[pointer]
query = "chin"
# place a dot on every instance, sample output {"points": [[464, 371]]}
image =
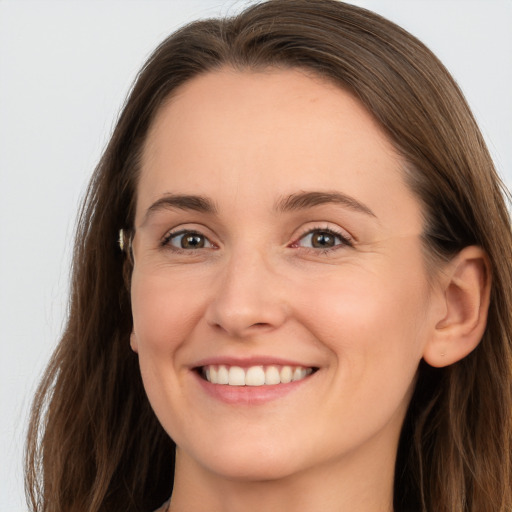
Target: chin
{"points": [[254, 471], [259, 463]]}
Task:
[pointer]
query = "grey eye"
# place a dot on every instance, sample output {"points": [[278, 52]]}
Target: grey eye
{"points": [[322, 239]]}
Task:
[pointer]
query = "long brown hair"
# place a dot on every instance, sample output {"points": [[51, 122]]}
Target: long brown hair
{"points": [[94, 443]]}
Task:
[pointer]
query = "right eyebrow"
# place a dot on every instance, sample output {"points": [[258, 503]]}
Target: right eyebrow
{"points": [[181, 202]]}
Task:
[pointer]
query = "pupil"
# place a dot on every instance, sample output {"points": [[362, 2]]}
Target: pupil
{"points": [[192, 242], [323, 240]]}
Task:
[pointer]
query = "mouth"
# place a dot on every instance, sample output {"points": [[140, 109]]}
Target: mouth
{"points": [[253, 376]]}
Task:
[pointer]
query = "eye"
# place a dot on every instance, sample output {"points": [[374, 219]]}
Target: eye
{"points": [[186, 240], [322, 238]]}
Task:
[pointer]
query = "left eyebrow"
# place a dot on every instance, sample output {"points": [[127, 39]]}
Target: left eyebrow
{"points": [[305, 200]]}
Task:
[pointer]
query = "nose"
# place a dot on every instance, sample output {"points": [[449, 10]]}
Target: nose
{"points": [[248, 298]]}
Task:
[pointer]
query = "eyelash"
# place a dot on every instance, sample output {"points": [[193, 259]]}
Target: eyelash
{"points": [[344, 240], [166, 241]]}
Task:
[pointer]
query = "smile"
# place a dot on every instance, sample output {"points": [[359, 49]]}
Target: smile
{"points": [[254, 375]]}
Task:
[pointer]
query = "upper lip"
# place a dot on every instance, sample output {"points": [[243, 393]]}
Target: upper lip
{"points": [[246, 362]]}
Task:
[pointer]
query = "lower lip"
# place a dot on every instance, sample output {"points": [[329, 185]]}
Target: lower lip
{"points": [[250, 395]]}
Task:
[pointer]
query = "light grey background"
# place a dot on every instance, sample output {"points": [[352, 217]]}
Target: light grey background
{"points": [[65, 69]]}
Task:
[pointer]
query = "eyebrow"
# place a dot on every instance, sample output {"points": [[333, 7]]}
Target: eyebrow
{"points": [[305, 200], [181, 202], [292, 202]]}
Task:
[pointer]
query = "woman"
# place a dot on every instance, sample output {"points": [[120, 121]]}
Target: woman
{"points": [[314, 281]]}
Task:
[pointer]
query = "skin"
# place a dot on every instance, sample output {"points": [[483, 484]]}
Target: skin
{"points": [[363, 313]]}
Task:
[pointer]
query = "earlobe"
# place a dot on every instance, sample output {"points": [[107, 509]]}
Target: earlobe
{"points": [[466, 301], [133, 342]]}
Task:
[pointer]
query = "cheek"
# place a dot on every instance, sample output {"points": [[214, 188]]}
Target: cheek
{"points": [[372, 322], [164, 315], [163, 311]]}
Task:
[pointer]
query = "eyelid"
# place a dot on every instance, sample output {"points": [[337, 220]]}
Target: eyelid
{"points": [[346, 239], [165, 241]]}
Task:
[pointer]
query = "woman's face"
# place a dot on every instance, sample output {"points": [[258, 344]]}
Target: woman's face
{"points": [[276, 240]]}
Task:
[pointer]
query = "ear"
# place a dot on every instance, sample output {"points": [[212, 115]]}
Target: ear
{"points": [[133, 342], [465, 301]]}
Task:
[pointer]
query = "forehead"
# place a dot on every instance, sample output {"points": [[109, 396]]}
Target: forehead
{"points": [[259, 111], [229, 133]]}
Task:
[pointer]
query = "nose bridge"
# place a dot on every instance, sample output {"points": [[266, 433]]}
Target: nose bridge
{"points": [[247, 295]]}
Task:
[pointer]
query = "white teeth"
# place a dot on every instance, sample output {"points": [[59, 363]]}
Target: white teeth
{"points": [[236, 376], [222, 375], [254, 375], [299, 373], [286, 374], [272, 376]]}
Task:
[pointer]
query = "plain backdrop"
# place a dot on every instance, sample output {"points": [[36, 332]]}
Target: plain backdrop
{"points": [[65, 69]]}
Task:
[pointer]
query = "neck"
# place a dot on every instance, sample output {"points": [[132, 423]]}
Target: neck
{"points": [[348, 485]]}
